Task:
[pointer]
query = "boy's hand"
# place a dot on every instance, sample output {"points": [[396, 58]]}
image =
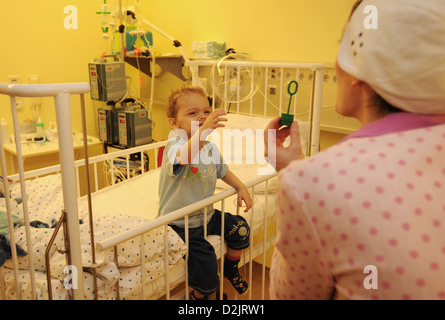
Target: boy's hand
{"points": [[244, 195], [213, 121]]}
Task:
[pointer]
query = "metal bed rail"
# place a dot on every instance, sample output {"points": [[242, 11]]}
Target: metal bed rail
{"points": [[95, 162], [163, 221], [61, 93], [279, 71], [69, 168]]}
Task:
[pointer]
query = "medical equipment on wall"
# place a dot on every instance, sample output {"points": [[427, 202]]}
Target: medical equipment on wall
{"points": [[137, 40], [107, 123], [107, 80], [104, 19], [286, 118], [126, 125], [108, 24], [135, 18], [123, 25], [134, 128]]}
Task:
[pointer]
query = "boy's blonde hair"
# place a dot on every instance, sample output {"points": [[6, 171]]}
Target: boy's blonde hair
{"points": [[179, 93]]}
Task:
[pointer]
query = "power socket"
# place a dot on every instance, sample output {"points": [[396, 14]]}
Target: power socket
{"points": [[272, 90]]}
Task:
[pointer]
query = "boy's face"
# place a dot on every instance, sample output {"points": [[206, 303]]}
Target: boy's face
{"points": [[190, 108]]}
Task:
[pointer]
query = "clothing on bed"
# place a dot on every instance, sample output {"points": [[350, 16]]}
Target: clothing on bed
{"points": [[5, 245], [376, 199], [181, 185], [5, 250]]}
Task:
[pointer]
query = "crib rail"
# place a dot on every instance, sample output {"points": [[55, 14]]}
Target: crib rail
{"points": [[175, 215], [95, 162], [61, 94], [277, 74], [62, 222], [163, 221], [72, 171]]}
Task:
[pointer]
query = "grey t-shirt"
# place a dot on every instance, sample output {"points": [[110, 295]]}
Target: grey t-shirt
{"points": [[181, 185]]}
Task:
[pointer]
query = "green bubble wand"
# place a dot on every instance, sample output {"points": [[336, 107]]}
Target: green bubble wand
{"points": [[286, 118]]}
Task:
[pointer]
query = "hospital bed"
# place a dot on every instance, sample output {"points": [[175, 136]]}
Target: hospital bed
{"points": [[113, 246]]}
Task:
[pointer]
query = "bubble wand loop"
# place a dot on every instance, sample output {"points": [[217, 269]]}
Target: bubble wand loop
{"points": [[286, 118]]}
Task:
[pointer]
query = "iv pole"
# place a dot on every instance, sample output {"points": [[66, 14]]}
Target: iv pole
{"points": [[176, 43]]}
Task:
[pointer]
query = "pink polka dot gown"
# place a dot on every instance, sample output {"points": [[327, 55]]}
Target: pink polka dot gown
{"points": [[370, 201]]}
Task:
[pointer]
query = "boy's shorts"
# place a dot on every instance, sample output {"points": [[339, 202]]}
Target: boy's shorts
{"points": [[202, 262]]}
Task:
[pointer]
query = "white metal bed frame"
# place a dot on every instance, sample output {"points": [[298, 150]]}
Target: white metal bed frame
{"points": [[314, 112], [61, 94], [70, 175]]}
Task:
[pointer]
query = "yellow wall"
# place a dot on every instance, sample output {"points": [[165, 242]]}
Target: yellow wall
{"points": [[34, 40], [287, 30]]}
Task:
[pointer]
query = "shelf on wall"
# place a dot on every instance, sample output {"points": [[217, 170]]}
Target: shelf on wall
{"points": [[172, 64]]}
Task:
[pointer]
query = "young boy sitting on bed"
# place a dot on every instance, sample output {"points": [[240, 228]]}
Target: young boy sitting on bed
{"points": [[189, 170]]}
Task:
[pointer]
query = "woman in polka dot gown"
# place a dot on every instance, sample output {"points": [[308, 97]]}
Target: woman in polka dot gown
{"points": [[365, 219]]}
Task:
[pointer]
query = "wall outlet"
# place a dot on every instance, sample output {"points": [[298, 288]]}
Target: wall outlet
{"points": [[272, 90], [14, 79]]}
